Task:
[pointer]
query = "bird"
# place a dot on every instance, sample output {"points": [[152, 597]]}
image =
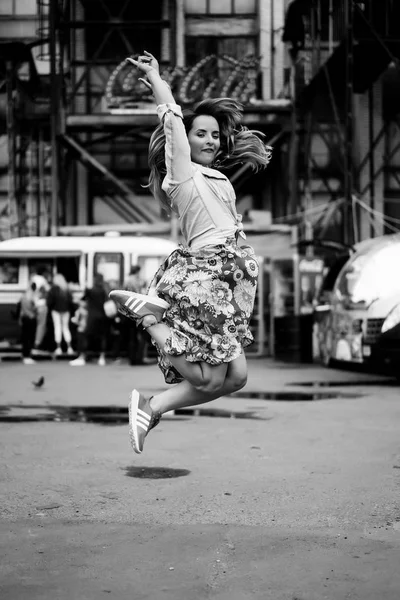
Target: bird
{"points": [[39, 383]]}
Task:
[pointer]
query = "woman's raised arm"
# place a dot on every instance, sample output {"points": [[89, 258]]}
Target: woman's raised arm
{"points": [[177, 149], [148, 64]]}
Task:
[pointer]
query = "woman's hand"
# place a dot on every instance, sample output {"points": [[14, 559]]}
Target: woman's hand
{"points": [[146, 63]]}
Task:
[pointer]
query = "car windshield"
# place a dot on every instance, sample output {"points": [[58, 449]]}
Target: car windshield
{"points": [[369, 276]]}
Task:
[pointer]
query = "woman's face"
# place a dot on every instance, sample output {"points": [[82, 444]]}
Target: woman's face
{"points": [[204, 140]]}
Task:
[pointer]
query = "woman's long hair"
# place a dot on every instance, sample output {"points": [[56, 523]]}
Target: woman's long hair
{"points": [[60, 281], [239, 145]]}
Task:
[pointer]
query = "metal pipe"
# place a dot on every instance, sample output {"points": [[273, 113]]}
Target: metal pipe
{"points": [[330, 41], [272, 51], [371, 156], [348, 172], [53, 119], [10, 125], [41, 188], [180, 34]]}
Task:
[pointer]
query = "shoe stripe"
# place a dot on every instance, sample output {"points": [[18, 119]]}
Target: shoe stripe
{"points": [[144, 427], [144, 415], [142, 421], [139, 304], [131, 300], [134, 304]]}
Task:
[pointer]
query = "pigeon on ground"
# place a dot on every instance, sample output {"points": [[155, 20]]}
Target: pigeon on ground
{"points": [[39, 383]]}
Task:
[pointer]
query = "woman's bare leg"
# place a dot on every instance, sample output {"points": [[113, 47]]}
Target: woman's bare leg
{"points": [[185, 394]]}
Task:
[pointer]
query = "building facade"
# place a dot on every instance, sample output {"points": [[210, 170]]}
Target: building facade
{"points": [[318, 77]]}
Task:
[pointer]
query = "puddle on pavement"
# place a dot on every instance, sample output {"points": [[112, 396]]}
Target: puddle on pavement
{"points": [[155, 472], [355, 383], [294, 396], [102, 415], [218, 412]]}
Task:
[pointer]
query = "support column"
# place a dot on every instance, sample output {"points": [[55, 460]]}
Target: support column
{"points": [[266, 15], [10, 124], [348, 224], [278, 47], [368, 124], [180, 33], [54, 77], [80, 188]]}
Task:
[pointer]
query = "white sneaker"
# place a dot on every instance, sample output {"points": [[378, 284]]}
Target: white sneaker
{"points": [[71, 351], [29, 361], [78, 362], [102, 361], [136, 306], [58, 352]]}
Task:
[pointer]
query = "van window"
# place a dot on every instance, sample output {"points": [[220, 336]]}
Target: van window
{"points": [[41, 266], [111, 266], [9, 271], [149, 266], [69, 267], [48, 267]]}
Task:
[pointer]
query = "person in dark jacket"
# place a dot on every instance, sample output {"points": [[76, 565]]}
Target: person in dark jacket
{"points": [[28, 319], [97, 326], [59, 302]]}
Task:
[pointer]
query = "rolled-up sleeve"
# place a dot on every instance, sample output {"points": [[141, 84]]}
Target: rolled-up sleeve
{"points": [[177, 149]]}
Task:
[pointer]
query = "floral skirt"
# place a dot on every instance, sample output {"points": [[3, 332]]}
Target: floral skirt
{"points": [[211, 294]]}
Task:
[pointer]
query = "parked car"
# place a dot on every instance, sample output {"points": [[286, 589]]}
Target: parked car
{"points": [[355, 317]]}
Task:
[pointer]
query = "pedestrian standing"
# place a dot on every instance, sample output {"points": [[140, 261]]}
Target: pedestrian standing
{"points": [[135, 336], [199, 318], [80, 320], [59, 302], [42, 289], [97, 328], [28, 321]]}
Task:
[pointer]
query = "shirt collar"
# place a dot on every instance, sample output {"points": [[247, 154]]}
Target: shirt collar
{"points": [[208, 171]]}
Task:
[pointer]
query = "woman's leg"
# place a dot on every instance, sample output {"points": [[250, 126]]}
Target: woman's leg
{"points": [[57, 327], [200, 374], [65, 328], [185, 394]]}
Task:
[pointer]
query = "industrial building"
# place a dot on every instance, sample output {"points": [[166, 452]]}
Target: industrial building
{"points": [[319, 78]]}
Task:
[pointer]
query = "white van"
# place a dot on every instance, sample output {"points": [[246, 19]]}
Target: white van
{"points": [[350, 316], [78, 258]]}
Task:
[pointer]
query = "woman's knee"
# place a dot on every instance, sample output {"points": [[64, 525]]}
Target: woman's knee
{"points": [[208, 384], [237, 381]]}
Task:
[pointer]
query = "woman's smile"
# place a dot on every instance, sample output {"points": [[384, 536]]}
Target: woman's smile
{"points": [[204, 140]]}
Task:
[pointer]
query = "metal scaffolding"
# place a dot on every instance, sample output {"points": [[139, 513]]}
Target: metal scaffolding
{"points": [[348, 45]]}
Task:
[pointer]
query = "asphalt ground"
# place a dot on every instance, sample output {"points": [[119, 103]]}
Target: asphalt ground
{"points": [[265, 498]]}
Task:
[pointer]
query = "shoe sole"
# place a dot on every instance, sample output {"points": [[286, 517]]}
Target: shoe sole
{"points": [[133, 408]]}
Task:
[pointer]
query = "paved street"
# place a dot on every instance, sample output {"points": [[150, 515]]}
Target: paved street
{"points": [[269, 497]]}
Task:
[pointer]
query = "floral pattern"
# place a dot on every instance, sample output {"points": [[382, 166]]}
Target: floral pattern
{"points": [[211, 294]]}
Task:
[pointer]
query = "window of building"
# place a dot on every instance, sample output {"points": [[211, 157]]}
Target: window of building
{"points": [[18, 7], [220, 7], [238, 47]]}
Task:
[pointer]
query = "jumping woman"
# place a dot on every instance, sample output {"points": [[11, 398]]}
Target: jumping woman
{"points": [[203, 295]]}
